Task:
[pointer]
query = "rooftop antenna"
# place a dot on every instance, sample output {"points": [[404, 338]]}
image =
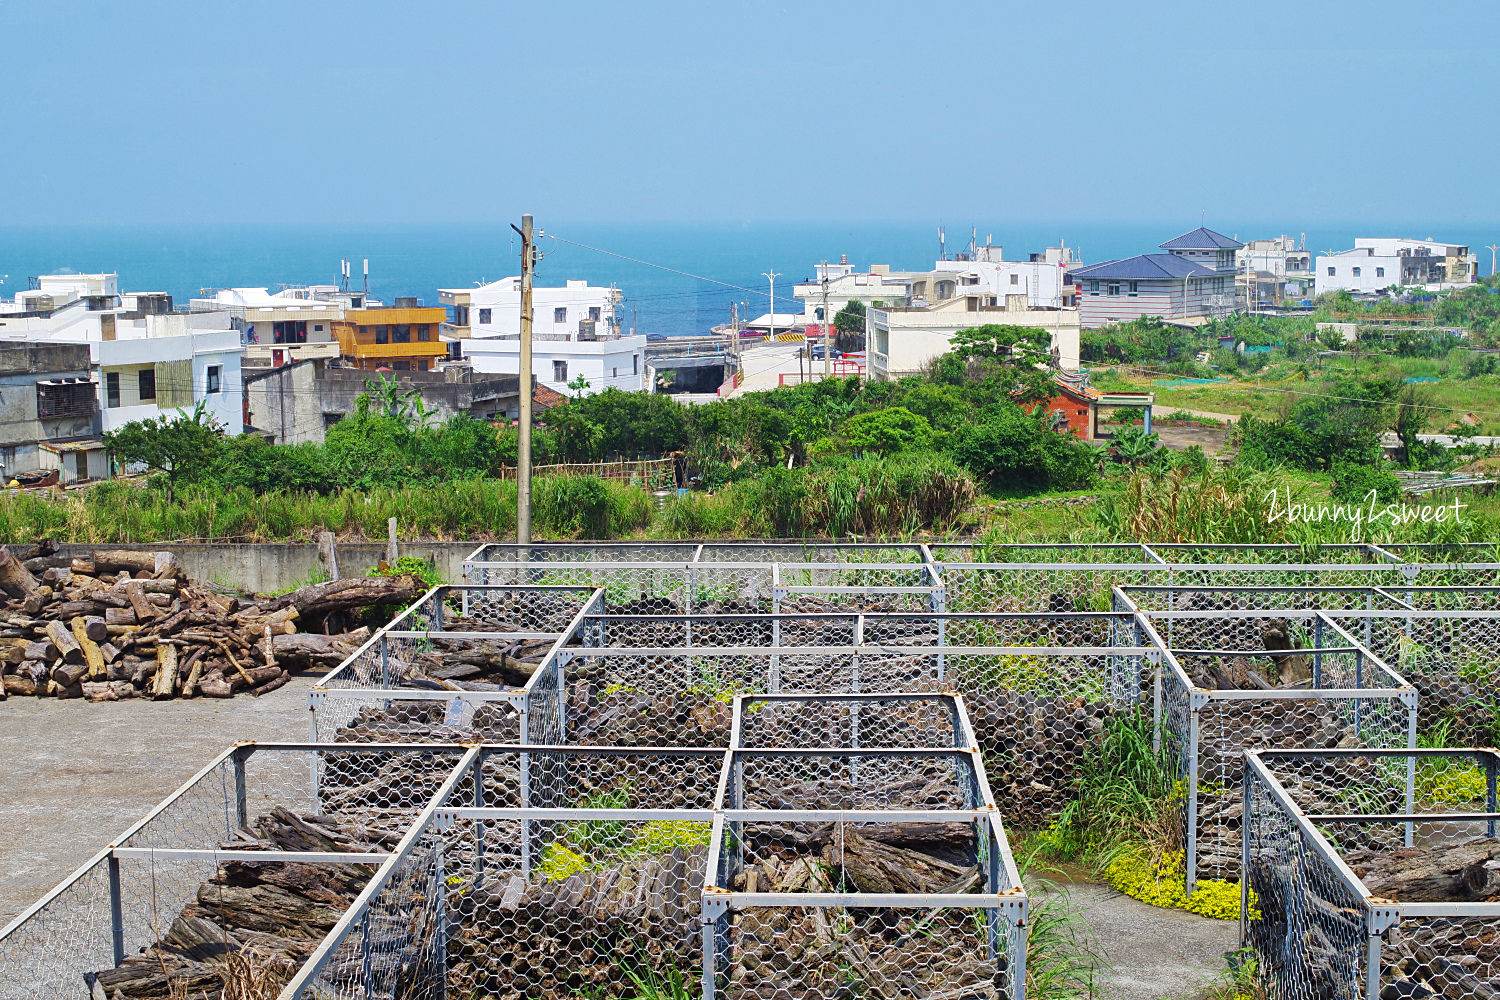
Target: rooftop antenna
{"points": [[973, 241], [367, 276], [942, 244]]}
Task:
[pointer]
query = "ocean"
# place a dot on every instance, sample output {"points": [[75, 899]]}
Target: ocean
{"points": [[419, 259]]}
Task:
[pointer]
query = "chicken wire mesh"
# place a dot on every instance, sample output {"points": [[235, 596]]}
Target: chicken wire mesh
{"points": [[1408, 900], [1245, 680], [881, 721], [240, 872], [1452, 658]]}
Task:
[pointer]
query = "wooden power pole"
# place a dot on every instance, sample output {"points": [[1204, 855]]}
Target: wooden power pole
{"points": [[523, 443], [827, 322]]}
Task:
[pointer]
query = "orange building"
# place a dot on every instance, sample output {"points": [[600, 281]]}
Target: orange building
{"points": [[1078, 408], [403, 337]]}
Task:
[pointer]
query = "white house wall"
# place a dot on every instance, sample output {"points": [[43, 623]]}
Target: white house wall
{"points": [[618, 364]]}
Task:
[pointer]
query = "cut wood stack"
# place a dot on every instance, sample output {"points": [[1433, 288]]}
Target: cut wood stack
{"points": [[118, 624], [253, 924]]}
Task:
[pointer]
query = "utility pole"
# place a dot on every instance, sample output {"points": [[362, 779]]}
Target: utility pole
{"points": [[827, 322], [771, 332], [523, 449], [1492, 248]]}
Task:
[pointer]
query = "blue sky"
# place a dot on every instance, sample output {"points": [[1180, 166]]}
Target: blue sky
{"points": [[452, 110]]}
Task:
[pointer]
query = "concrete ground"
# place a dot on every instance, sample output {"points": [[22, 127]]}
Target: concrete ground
{"points": [[1152, 952], [76, 774], [1211, 439]]}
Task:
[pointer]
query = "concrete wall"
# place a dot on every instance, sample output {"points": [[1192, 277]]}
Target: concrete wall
{"points": [[264, 567]]}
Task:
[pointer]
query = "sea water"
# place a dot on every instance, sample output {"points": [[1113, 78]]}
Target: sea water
{"points": [[417, 260]]}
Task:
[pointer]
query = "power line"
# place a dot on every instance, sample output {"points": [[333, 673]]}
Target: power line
{"points": [[660, 267]]}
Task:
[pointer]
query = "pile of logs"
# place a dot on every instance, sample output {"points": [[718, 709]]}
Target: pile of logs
{"points": [[1313, 934], [126, 624], [817, 952], [1033, 748], [583, 935], [252, 925]]}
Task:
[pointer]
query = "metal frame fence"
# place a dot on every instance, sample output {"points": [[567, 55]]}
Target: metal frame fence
{"points": [[814, 636], [1349, 697], [128, 897], [1315, 926]]}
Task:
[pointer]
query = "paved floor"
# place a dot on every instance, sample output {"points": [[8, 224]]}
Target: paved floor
{"points": [[74, 774], [1153, 952]]}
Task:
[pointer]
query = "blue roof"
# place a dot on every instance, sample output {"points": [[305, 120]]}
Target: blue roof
{"points": [[1202, 239], [1146, 265]]}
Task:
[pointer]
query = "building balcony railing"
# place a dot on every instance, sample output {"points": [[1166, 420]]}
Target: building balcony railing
{"points": [[559, 337]]}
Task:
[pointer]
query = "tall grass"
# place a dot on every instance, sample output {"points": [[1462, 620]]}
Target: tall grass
{"points": [[1126, 797], [564, 507], [891, 496]]}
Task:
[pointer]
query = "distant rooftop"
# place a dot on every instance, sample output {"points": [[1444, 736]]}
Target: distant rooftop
{"points": [[1144, 266], [1202, 239]]}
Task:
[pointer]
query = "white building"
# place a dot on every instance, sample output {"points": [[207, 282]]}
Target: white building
{"points": [[147, 365], [983, 271], [291, 325], [575, 332], [94, 292], [904, 339], [1375, 264]]}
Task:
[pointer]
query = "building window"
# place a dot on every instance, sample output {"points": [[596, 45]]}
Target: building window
{"points": [[215, 378], [424, 331], [382, 335], [1015, 279], [1114, 288], [111, 389], [1331, 272], [1094, 287], [560, 314], [1356, 272], [484, 317], [401, 333], [1135, 287], [317, 328], [400, 366], [818, 312], [146, 379], [559, 371], [614, 373], [1380, 272], [635, 364], [594, 313]]}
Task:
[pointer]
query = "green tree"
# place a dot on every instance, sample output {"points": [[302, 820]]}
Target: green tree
{"points": [[182, 448], [890, 430], [849, 327], [1331, 338], [1017, 357]]}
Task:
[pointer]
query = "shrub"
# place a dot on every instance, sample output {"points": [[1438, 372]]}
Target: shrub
{"points": [[1354, 482], [883, 431]]}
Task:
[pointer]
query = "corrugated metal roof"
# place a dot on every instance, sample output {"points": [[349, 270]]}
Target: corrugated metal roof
{"points": [[1146, 265], [1202, 239]]}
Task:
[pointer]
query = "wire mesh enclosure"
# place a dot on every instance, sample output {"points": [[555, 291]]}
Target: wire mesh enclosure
{"points": [[1371, 874], [1452, 658], [565, 871], [238, 874], [452, 668], [1235, 681]]}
